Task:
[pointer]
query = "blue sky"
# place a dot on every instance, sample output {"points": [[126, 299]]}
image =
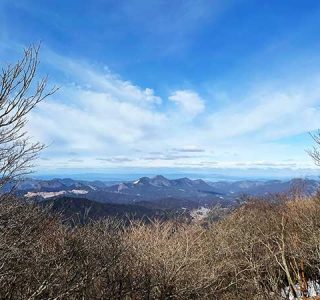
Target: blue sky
{"points": [[179, 85]]}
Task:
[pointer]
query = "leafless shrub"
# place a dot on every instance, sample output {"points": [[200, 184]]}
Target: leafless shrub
{"points": [[262, 250], [217, 213], [170, 261], [42, 259]]}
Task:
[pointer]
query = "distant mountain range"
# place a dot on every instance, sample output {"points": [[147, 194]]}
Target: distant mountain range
{"points": [[263, 188], [157, 188], [144, 189], [148, 195]]}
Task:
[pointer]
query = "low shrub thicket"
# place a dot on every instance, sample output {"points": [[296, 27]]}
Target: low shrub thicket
{"points": [[262, 250]]}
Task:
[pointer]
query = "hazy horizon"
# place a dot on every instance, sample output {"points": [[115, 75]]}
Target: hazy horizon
{"points": [[208, 175]]}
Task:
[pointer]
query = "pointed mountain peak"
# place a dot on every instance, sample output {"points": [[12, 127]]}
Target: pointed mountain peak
{"points": [[142, 181]]}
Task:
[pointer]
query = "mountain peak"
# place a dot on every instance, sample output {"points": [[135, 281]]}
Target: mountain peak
{"points": [[160, 180], [159, 177], [142, 181], [199, 181]]}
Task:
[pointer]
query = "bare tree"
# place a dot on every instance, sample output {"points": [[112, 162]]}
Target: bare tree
{"points": [[20, 92], [315, 151]]}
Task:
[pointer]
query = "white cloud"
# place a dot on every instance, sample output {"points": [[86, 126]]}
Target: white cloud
{"points": [[98, 114], [188, 101], [94, 111], [269, 114], [93, 121], [86, 76]]}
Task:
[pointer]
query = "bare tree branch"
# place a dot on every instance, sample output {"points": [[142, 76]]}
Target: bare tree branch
{"points": [[20, 92], [314, 153]]}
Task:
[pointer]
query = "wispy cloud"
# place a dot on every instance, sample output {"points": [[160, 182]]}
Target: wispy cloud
{"points": [[76, 160], [115, 159], [95, 110], [98, 114], [171, 23], [269, 115], [188, 149]]}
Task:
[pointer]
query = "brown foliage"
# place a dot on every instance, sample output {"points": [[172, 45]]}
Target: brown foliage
{"points": [[262, 250]]}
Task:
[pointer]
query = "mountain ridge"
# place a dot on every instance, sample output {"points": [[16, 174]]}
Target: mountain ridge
{"points": [[153, 189]]}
